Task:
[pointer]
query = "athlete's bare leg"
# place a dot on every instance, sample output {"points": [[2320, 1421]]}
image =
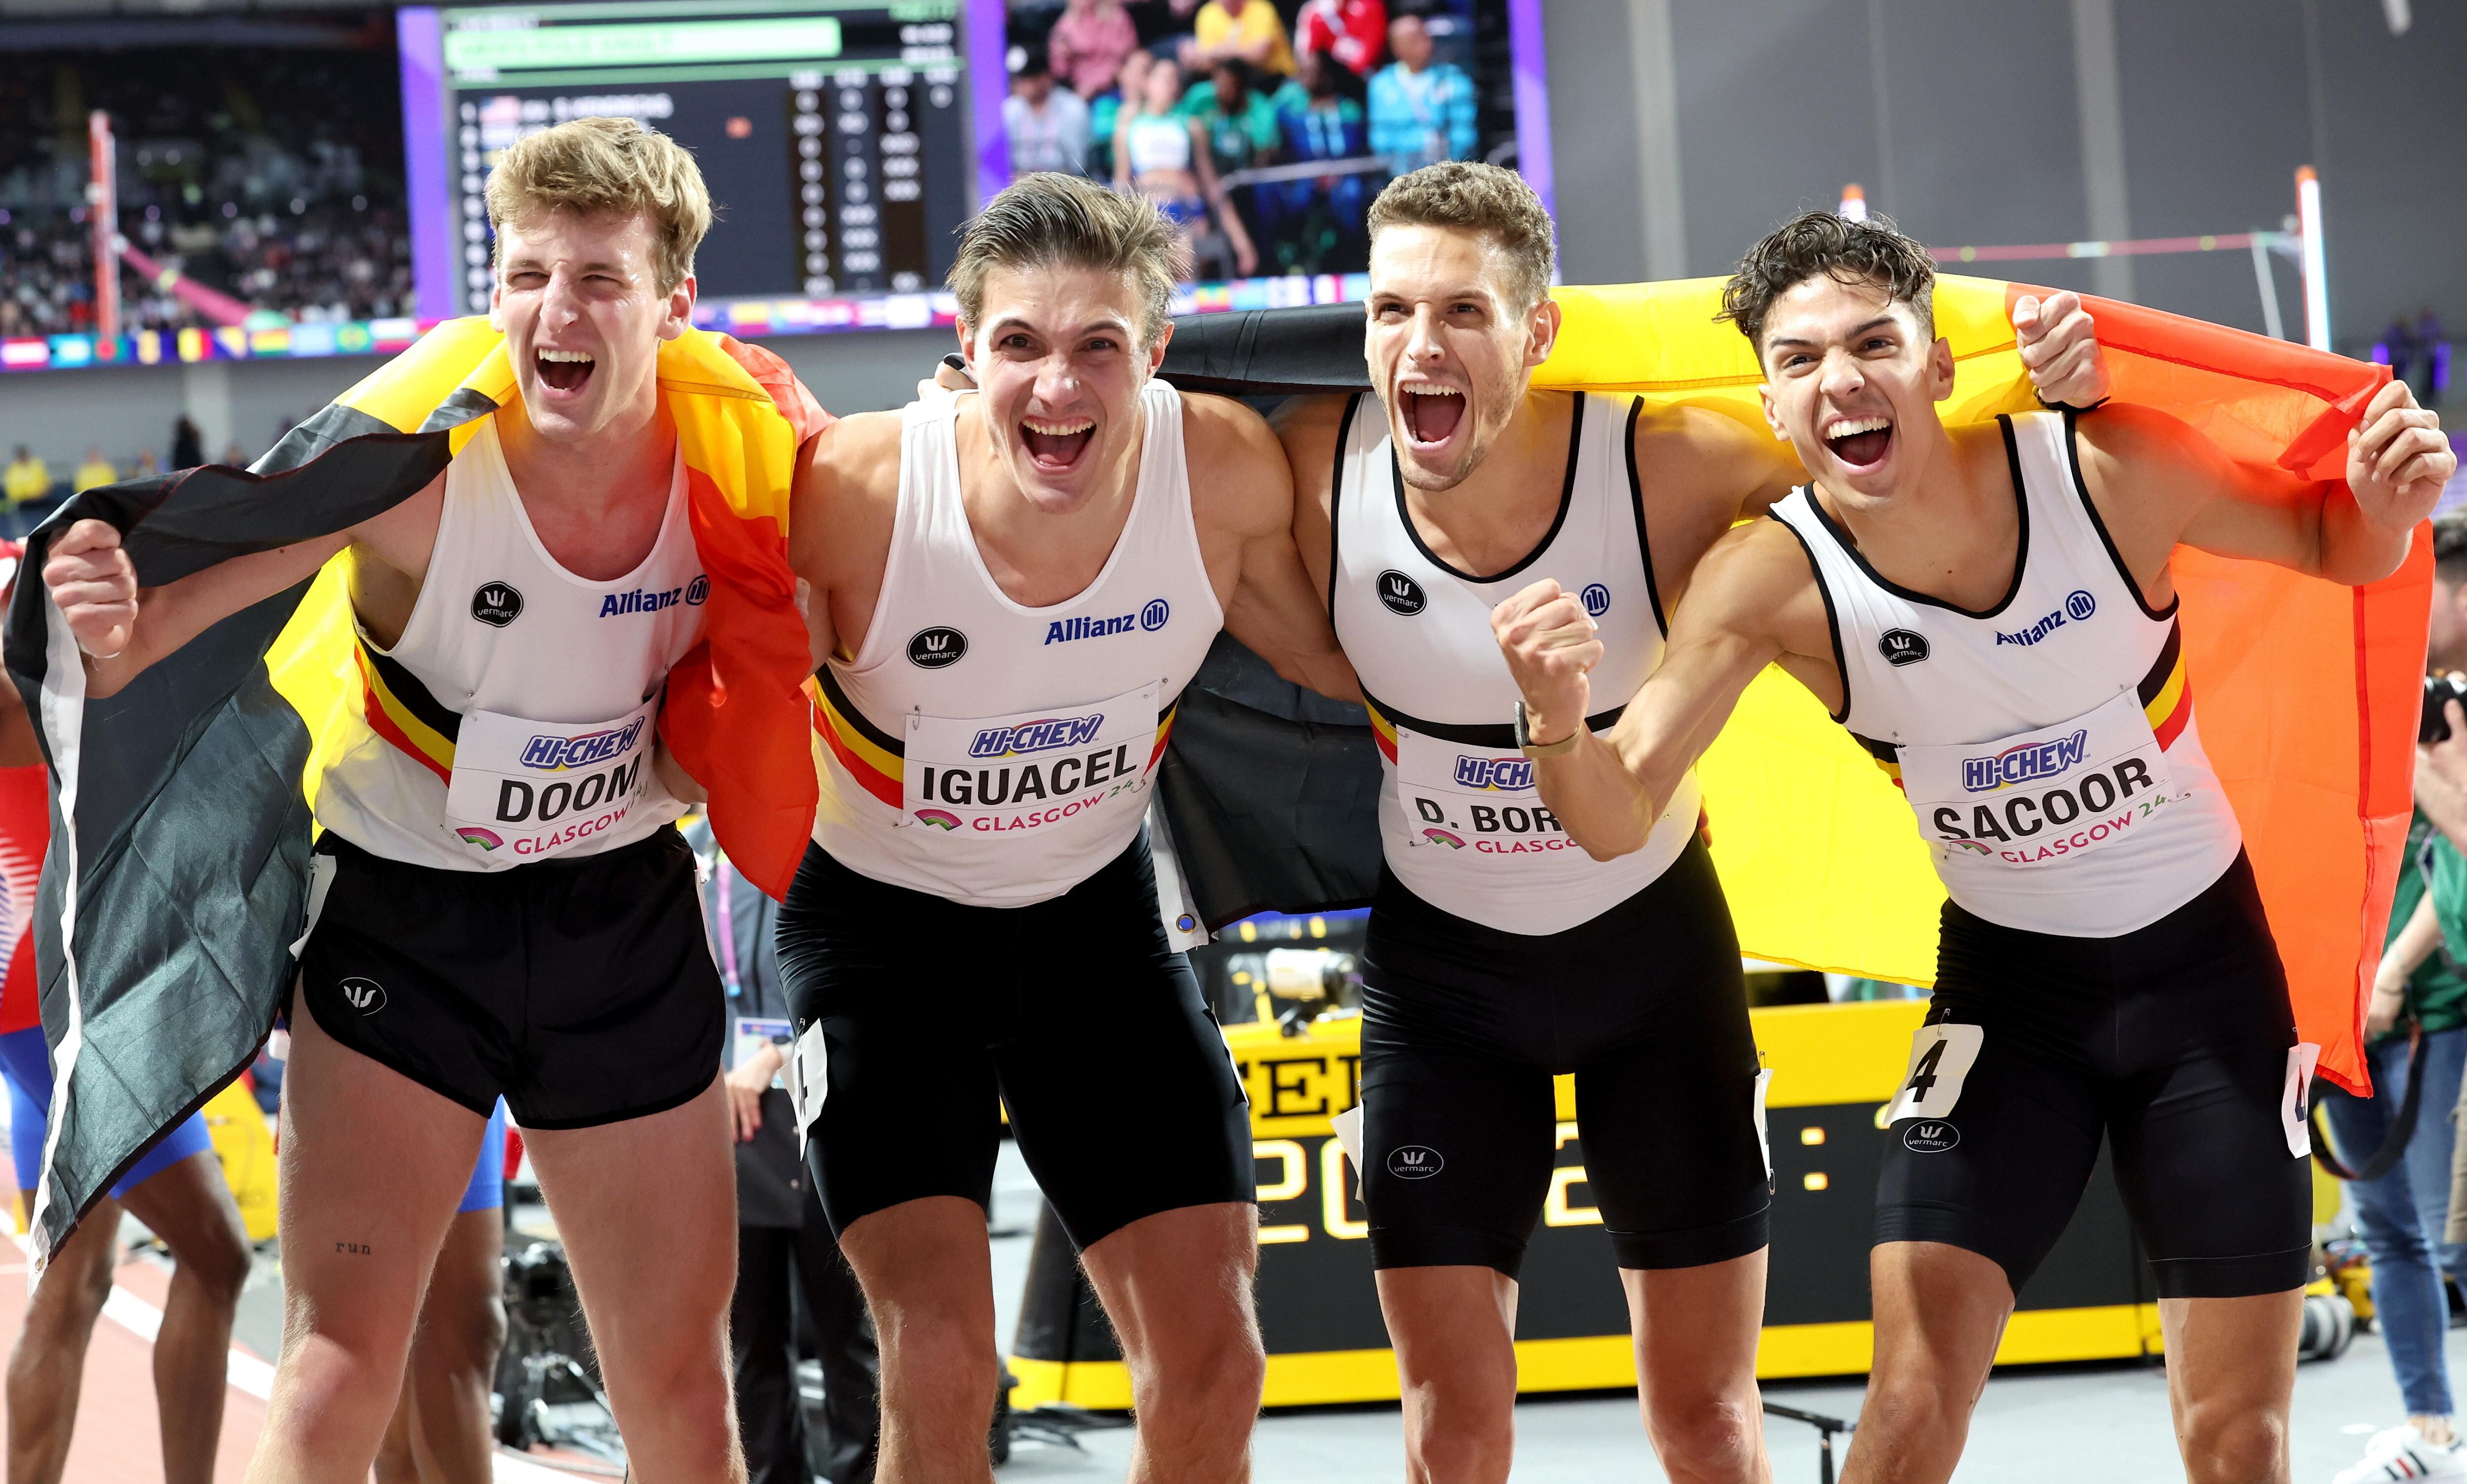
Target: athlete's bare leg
{"points": [[2231, 1374], [928, 1276], [1940, 1313], [372, 1166], [1454, 1329], [189, 1206], [648, 1208], [1696, 1331], [1177, 1286], [47, 1369], [439, 1433]]}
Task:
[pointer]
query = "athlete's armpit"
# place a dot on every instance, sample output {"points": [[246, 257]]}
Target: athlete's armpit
{"points": [[1700, 473], [841, 509], [1242, 500]]}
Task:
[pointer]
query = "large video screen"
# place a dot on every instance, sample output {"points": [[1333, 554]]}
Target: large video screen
{"points": [[834, 137]]}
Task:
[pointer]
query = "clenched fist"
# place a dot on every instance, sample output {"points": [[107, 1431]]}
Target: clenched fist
{"points": [[2398, 459], [2059, 346], [94, 583], [1549, 640]]}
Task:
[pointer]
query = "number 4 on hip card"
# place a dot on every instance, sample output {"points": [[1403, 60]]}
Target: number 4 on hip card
{"points": [[1941, 1058]]}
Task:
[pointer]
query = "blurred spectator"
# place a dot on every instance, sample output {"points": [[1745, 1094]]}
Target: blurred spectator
{"points": [[96, 470], [1105, 113], [188, 444], [1240, 123], [1165, 157], [1048, 126], [27, 478], [1250, 30], [147, 465], [1087, 44], [1353, 32], [234, 456], [1422, 112], [1320, 219]]}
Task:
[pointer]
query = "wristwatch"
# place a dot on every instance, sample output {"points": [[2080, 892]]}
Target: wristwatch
{"points": [[1526, 744]]}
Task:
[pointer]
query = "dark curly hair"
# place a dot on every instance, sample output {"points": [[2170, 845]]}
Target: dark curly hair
{"points": [[1870, 252]]}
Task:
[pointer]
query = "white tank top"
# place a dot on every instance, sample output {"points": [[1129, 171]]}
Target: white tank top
{"points": [[2048, 744], [1464, 829], [997, 755], [515, 717]]}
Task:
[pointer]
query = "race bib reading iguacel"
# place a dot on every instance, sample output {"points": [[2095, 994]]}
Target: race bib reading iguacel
{"points": [[540, 788], [1030, 771], [2043, 796], [1479, 800]]}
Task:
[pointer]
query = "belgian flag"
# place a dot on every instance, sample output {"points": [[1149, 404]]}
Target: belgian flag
{"points": [[2308, 691], [177, 878]]}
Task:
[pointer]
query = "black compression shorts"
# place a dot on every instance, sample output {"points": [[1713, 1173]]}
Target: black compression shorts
{"points": [[1076, 1014], [1463, 1027], [580, 988], [2175, 1041]]}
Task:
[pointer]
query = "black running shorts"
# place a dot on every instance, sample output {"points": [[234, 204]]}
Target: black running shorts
{"points": [[2175, 1041], [1464, 1026], [580, 988], [1076, 1014]]}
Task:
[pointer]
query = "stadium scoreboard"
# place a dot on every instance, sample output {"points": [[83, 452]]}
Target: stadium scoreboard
{"points": [[834, 138]]}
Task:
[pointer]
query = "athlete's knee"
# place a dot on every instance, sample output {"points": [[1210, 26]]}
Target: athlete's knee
{"points": [[931, 1348], [465, 1342], [70, 1298], [218, 1262], [1217, 1371], [1912, 1407], [2230, 1444], [1709, 1437]]}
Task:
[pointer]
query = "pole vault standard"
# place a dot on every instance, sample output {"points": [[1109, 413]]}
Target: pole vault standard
{"points": [[2303, 245], [102, 220]]}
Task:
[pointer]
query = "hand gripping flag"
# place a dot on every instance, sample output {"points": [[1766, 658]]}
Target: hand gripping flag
{"points": [[177, 877], [2308, 691]]}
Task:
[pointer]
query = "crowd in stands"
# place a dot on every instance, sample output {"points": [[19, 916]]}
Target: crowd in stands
{"points": [[32, 486], [271, 174], [1198, 104]]}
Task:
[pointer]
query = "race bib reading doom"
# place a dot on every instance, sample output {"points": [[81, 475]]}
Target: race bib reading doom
{"points": [[1475, 800], [540, 788], [1030, 771], [2043, 796]]}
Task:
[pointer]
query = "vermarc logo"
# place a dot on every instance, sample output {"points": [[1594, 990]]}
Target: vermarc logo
{"points": [[1414, 1161], [496, 605], [931, 649], [1929, 1137], [366, 995], [1401, 594]]}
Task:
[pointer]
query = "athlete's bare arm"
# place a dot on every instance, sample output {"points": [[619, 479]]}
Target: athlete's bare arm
{"points": [[840, 517], [1755, 602], [124, 628], [2157, 482], [1242, 495], [1308, 427]]}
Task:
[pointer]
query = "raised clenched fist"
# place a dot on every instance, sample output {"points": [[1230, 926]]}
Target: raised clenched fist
{"points": [[1549, 640], [94, 585]]}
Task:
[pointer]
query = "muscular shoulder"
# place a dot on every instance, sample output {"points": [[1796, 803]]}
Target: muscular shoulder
{"points": [[1309, 427], [1238, 479], [1756, 581], [1697, 456], [847, 494], [2146, 471]]}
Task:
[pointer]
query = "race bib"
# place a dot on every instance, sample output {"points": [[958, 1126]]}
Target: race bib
{"points": [[1030, 771], [2042, 797], [537, 788], [1941, 1058], [1458, 798], [2296, 1103], [808, 1076]]}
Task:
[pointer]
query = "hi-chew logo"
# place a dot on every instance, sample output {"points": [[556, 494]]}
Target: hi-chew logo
{"points": [[2032, 762], [558, 753], [1036, 736], [1507, 775]]}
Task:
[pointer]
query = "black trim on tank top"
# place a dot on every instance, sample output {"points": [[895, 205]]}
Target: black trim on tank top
{"points": [[1567, 496], [2165, 667], [413, 692], [2021, 550], [2081, 487], [1336, 494], [829, 679], [1882, 751], [1635, 497], [1832, 620], [1501, 735]]}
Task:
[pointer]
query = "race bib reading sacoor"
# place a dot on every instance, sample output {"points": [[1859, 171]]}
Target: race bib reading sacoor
{"points": [[2045, 795]]}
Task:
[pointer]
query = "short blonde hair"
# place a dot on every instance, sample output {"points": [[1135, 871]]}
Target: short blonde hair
{"points": [[1476, 197], [602, 167], [1048, 219]]}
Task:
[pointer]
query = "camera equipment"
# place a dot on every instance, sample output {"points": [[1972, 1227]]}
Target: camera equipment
{"points": [[2439, 691]]}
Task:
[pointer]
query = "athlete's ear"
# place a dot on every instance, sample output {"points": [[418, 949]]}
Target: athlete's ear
{"points": [[1156, 348], [680, 317], [1940, 370], [1772, 410], [968, 346], [1543, 334], [497, 302]]}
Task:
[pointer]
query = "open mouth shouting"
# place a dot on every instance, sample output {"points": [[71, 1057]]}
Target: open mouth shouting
{"points": [[1432, 413], [1055, 444], [1860, 442], [563, 370]]}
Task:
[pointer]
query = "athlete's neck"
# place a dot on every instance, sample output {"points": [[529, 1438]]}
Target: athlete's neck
{"points": [[1950, 526], [597, 503], [1037, 556], [1500, 512]]}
